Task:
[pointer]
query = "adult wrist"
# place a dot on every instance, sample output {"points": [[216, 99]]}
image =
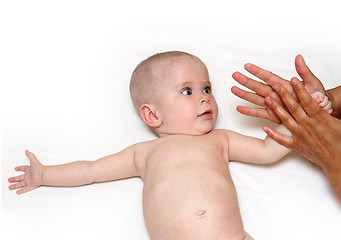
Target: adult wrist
{"points": [[334, 178], [333, 167]]}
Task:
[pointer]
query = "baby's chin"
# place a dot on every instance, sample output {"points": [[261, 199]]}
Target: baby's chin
{"points": [[202, 132]]}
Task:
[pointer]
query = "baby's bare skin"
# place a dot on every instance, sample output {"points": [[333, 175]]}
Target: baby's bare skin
{"points": [[188, 191], [323, 101]]}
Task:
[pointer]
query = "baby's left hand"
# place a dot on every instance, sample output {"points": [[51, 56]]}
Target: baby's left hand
{"points": [[323, 101]]}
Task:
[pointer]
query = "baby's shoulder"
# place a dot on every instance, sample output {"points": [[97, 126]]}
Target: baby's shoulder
{"points": [[142, 151], [219, 135], [223, 133], [145, 146]]}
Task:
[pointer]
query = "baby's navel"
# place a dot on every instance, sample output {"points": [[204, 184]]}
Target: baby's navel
{"points": [[201, 213]]}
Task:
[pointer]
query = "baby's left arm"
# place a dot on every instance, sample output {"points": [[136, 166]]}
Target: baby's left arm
{"points": [[249, 149], [323, 101]]}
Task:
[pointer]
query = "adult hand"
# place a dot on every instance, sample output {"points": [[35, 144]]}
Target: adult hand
{"points": [[261, 90], [315, 133]]}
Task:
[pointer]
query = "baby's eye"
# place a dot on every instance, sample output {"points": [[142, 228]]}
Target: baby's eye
{"points": [[186, 91], [207, 90]]}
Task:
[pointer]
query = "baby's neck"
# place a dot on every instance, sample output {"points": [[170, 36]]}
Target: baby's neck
{"points": [[162, 135]]}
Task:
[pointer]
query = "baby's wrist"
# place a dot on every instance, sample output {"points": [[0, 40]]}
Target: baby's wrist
{"points": [[42, 177], [323, 101]]}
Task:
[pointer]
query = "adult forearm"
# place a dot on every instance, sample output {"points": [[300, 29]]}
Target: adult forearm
{"points": [[334, 95], [67, 175]]}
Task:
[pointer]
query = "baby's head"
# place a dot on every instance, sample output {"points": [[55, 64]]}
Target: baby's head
{"points": [[172, 93]]}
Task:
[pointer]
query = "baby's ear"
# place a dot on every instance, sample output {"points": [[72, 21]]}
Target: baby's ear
{"points": [[149, 116]]}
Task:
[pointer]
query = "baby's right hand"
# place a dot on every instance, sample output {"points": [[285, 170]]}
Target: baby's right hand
{"points": [[323, 101], [31, 179]]}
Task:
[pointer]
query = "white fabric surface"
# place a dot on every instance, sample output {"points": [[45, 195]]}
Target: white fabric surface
{"points": [[65, 68]]}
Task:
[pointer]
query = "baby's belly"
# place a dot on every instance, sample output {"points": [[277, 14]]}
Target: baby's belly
{"points": [[198, 206]]}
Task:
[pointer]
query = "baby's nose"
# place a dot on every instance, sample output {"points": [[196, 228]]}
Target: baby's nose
{"points": [[205, 99]]}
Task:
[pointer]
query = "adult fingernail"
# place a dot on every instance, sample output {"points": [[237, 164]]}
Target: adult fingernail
{"points": [[268, 100], [276, 88], [294, 81]]}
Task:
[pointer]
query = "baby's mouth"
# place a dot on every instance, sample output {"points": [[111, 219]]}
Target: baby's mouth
{"points": [[207, 114]]}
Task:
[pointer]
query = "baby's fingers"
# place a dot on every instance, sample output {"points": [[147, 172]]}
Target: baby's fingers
{"points": [[17, 185], [21, 168], [31, 156], [23, 190], [16, 179], [309, 105]]}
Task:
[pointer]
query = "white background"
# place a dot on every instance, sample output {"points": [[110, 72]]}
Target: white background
{"points": [[65, 68]]}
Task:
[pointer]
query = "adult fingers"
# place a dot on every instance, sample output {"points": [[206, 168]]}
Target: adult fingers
{"points": [[256, 86], [267, 76], [282, 139], [303, 70], [309, 105], [282, 114], [259, 112], [248, 96], [293, 107]]}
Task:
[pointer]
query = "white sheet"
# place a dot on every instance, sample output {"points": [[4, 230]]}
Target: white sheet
{"points": [[65, 69]]}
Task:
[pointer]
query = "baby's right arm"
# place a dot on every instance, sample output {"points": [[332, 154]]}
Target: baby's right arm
{"points": [[113, 167]]}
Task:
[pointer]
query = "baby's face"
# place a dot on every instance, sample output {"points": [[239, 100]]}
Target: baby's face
{"points": [[186, 104]]}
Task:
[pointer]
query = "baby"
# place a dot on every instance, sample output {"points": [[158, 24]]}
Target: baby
{"points": [[323, 101], [188, 191]]}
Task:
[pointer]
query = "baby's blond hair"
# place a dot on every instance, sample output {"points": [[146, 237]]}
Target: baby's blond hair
{"points": [[146, 78]]}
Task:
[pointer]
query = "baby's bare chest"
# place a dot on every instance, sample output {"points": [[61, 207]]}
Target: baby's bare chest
{"points": [[185, 154], [185, 162]]}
